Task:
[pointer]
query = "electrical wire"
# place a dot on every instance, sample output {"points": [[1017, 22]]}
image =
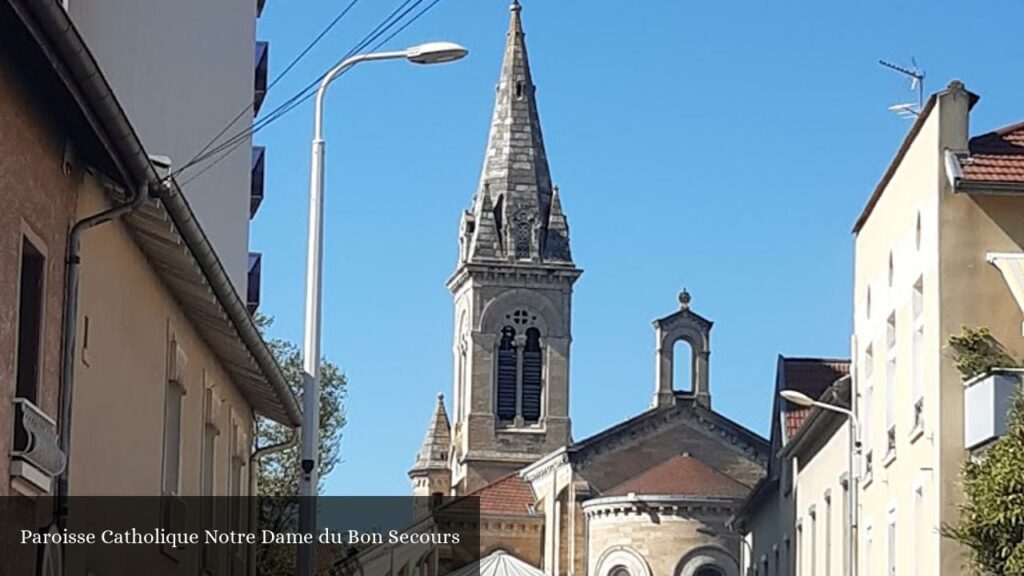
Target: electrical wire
{"points": [[251, 105], [310, 89]]}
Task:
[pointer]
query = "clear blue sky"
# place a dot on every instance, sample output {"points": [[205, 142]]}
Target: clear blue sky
{"points": [[724, 147]]}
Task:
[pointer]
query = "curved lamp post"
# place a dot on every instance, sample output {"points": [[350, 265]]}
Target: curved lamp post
{"points": [[430, 53], [801, 399]]}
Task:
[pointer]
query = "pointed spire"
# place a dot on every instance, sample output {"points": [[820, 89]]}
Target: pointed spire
{"points": [[556, 244], [485, 237], [516, 179], [433, 452]]}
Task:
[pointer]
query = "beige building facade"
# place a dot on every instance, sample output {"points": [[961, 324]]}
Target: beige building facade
{"points": [[926, 266], [938, 248], [129, 364], [792, 515]]}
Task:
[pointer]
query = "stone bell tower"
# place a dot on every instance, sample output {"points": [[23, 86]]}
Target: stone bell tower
{"points": [[687, 326], [513, 294]]}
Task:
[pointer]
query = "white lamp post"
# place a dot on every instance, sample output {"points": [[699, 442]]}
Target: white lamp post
{"points": [[430, 53], [801, 399]]}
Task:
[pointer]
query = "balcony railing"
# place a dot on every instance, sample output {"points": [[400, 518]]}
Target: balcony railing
{"points": [[987, 402], [256, 183], [253, 288], [35, 443], [260, 88]]}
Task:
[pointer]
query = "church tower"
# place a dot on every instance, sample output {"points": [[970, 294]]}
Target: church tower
{"points": [[513, 294]]}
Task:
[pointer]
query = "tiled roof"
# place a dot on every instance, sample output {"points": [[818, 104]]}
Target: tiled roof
{"points": [[997, 156], [681, 475], [509, 496], [812, 376]]}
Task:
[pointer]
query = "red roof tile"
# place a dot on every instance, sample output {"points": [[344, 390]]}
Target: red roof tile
{"points": [[509, 496], [681, 475], [997, 156], [812, 376]]}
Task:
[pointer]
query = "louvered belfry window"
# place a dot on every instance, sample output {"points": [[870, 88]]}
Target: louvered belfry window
{"points": [[532, 376], [520, 370], [507, 361]]}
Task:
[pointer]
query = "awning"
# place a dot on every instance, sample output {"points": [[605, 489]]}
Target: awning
{"points": [[1011, 265], [498, 563]]}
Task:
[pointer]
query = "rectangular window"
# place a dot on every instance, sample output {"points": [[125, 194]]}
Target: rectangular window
{"points": [[918, 528], [798, 561], [814, 545], [869, 409], [174, 393], [890, 386], [917, 354], [891, 552], [172, 439], [31, 291], [846, 522], [207, 502], [869, 548], [828, 535]]}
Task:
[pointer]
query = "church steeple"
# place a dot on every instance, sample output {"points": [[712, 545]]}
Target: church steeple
{"points": [[515, 215], [512, 291]]}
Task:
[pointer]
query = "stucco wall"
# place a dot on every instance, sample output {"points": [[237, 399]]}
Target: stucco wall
{"points": [[120, 379], [912, 193], [182, 70], [38, 199], [919, 488], [819, 488]]}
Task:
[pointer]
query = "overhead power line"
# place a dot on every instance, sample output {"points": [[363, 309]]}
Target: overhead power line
{"points": [[251, 105], [216, 154]]}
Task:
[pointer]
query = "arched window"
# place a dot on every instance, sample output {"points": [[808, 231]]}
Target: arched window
{"points": [[533, 367], [519, 373], [708, 571], [682, 365], [506, 388]]}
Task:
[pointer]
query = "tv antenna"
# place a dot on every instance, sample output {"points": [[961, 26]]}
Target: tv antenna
{"points": [[916, 75]]}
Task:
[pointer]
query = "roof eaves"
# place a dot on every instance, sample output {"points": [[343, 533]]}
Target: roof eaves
{"points": [[249, 359], [900, 154]]}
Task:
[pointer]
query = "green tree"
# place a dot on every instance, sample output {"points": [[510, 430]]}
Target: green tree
{"points": [[278, 473], [991, 523], [976, 351]]}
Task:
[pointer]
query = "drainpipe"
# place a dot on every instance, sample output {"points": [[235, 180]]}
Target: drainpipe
{"points": [[254, 487], [67, 381]]}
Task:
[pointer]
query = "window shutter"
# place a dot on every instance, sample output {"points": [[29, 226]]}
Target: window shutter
{"points": [[506, 388], [532, 376]]}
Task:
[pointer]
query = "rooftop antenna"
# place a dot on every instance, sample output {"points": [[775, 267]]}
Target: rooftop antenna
{"points": [[916, 75]]}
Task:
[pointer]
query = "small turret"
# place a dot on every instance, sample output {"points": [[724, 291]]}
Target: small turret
{"points": [[430, 474]]}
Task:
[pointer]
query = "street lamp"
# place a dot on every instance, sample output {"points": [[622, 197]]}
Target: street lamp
{"points": [[429, 53], [801, 399]]}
